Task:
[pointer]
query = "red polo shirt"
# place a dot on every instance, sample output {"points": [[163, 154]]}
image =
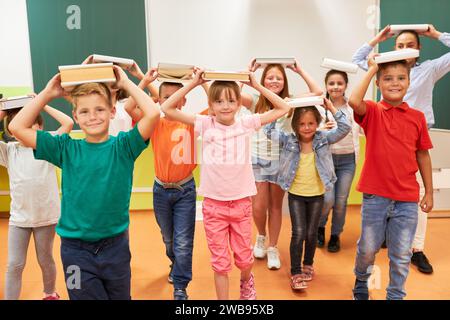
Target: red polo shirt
{"points": [[393, 135]]}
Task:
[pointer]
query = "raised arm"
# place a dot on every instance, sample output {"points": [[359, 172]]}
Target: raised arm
{"points": [[360, 57], [424, 162], [280, 107], [150, 111], [441, 65], [343, 124], [64, 120], [21, 125], [169, 107], [314, 88], [130, 106], [356, 101], [246, 98], [136, 72]]}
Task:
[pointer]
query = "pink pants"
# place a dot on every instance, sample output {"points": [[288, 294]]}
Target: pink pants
{"points": [[228, 224]]}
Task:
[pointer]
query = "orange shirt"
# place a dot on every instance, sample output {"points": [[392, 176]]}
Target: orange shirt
{"points": [[393, 136], [173, 145]]}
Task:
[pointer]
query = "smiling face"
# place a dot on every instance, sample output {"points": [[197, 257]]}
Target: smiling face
{"points": [[274, 80], [393, 81], [93, 114], [224, 100], [336, 86], [225, 107], [305, 122]]}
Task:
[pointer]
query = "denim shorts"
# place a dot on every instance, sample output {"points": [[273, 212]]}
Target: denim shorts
{"points": [[265, 170]]}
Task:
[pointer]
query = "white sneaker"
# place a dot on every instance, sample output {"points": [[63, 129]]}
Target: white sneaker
{"points": [[259, 250], [273, 258]]}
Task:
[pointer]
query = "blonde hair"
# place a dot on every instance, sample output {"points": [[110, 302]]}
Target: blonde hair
{"points": [[263, 103], [87, 89], [217, 87]]}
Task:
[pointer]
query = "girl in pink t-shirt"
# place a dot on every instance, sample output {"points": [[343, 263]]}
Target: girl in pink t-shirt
{"points": [[227, 181]]}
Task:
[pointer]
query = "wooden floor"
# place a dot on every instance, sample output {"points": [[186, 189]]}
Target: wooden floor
{"points": [[334, 278]]}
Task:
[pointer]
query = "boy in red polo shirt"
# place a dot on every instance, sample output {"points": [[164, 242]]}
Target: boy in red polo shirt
{"points": [[397, 146]]}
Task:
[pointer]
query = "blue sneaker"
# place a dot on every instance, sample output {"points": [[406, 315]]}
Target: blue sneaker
{"points": [[360, 291], [180, 294]]}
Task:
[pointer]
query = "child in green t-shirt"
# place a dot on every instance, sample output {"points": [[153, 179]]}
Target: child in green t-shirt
{"points": [[97, 175]]}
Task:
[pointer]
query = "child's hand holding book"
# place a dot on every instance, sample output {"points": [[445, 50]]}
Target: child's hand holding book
{"points": [[54, 89]]}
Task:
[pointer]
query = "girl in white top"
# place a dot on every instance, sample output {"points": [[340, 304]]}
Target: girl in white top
{"points": [[35, 207], [345, 154], [268, 202]]}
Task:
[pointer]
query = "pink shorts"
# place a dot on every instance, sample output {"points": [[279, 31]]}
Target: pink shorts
{"points": [[228, 223]]}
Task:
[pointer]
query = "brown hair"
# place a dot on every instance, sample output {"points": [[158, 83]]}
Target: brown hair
{"points": [[333, 72], [299, 113], [88, 89], [263, 103], [217, 87], [121, 94], [10, 114], [413, 32], [384, 66], [169, 84]]}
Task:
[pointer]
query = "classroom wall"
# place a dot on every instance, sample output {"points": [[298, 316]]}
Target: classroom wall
{"points": [[219, 35], [15, 61], [228, 34]]}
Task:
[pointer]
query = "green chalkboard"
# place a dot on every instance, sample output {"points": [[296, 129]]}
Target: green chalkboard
{"points": [[435, 12], [65, 32]]}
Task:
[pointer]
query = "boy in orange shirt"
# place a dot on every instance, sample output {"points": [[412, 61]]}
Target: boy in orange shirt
{"points": [[174, 192]]}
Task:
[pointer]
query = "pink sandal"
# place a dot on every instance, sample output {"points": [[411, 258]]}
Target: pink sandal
{"points": [[297, 282], [308, 272]]}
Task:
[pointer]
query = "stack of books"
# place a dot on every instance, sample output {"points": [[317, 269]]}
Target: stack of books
{"points": [[339, 65], [397, 28], [227, 75], [285, 61], [122, 62], [14, 102], [396, 55], [173, 72], [73, 75], [306, 102]]}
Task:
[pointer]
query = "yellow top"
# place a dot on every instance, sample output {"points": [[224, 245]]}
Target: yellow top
{"points": [[307, 181]]}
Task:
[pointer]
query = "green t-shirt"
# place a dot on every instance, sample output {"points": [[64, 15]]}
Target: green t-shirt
{"points": [[96, 182]]}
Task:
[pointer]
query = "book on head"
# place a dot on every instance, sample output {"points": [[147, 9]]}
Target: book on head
{"points": [[396, 55], [397, 28], [14, 102], [73, 75], [284, 61], [122, 62], [227, 75], [306, 101], [339, 65], [173, 72]]}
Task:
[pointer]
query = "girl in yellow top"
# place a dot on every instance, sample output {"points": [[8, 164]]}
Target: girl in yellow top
{"points": [[306, 172]]}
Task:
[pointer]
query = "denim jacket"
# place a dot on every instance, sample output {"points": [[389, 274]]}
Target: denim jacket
{"points": [[290, 152]]}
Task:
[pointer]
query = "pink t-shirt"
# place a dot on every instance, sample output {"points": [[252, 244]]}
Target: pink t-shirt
{"points": [[226, 167]]}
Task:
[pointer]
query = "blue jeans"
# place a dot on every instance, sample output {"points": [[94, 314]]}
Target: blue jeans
{"points": [[103, 267], [175, 214], [336, 198], [398, 221]]}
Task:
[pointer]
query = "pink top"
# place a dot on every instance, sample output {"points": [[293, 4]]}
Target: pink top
{"points": [[226, 168]]}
